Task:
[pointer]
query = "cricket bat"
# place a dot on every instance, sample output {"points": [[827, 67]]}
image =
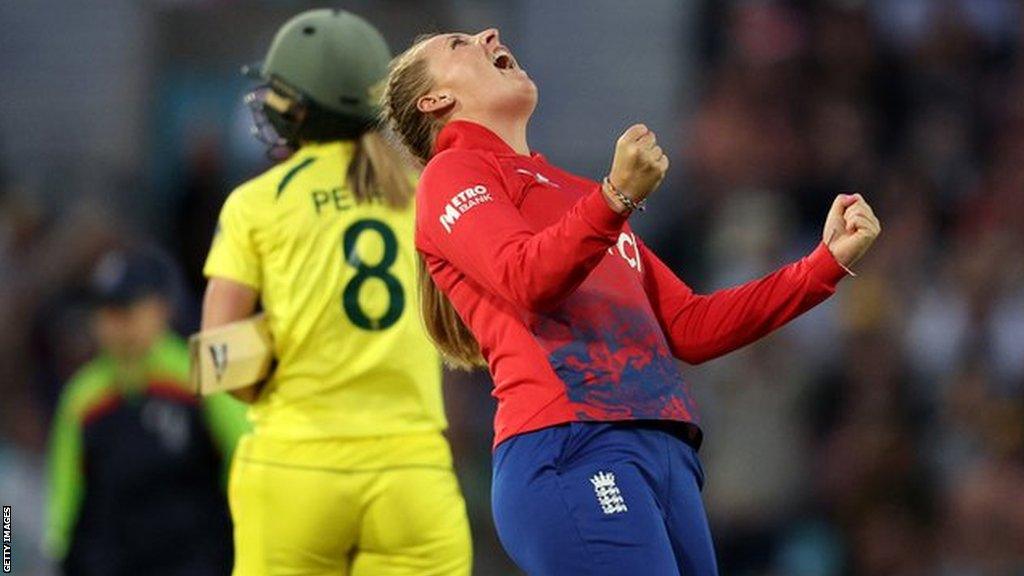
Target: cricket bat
{"points": [[232, 356]]}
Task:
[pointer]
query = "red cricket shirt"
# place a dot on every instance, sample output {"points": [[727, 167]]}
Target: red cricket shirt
{"points": [[577, 319]]}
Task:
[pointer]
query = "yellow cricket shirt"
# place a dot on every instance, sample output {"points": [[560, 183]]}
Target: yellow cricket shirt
{"points": [[337, 280]]}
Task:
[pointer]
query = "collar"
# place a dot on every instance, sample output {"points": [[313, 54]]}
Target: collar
{"points": [[132, 377], [313, 148], [463, 134]]}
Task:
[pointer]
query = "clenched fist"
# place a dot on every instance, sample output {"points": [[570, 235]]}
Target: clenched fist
{"points": [[850, 228], [638, 167]]}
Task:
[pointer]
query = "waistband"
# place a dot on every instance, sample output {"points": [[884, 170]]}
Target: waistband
{"points": [[688, 432], [427, 449]]}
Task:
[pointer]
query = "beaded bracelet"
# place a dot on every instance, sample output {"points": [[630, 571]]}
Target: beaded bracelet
{"points": [[628, 202]]}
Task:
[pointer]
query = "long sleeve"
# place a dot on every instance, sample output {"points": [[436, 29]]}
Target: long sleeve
{"points": [[66, 483], [702, 327], [466, 215]]}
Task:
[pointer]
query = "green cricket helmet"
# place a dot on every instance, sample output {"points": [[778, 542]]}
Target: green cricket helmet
{"points": [[329, 58]]}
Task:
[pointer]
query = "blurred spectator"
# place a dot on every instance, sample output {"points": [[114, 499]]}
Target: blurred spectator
{"points": [[136, 463], [903, 440]]}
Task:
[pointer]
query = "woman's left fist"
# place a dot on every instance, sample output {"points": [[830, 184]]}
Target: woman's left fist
{"points": [[850, 228]]}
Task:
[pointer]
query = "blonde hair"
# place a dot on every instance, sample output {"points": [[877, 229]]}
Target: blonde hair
{"points": [[378, 171], [408, 80]]}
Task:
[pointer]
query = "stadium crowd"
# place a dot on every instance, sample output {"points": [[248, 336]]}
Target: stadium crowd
{"points": [[887, 438], [883, 434]]}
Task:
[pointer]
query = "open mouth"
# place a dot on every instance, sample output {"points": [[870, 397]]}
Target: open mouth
{"points": [[503, 61]]}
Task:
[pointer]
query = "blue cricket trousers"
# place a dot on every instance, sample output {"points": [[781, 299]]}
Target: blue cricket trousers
{"points": [[595, 499]]}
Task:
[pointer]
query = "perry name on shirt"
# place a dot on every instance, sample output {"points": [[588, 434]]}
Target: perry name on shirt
{"points": [[339, 198]]}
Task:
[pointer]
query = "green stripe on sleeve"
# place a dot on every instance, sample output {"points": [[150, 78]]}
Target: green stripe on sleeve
{"points": [[66, 483], [65, 459]]}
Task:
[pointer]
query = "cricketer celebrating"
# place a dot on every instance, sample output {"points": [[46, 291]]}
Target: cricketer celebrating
{"points": [[346, 470], [595, 466]]}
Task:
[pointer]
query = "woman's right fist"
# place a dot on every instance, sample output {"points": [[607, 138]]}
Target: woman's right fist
{"points": [[638, 167]]}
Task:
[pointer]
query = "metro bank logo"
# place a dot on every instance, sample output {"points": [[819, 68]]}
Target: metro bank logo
{"points": [[462, 203]]}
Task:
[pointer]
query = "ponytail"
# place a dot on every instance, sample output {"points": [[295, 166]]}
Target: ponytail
{"points": [[408, 80], [378, 171], [444, 326]]}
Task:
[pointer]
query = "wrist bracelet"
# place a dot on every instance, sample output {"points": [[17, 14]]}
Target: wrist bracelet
{"points": [[625, 200]]}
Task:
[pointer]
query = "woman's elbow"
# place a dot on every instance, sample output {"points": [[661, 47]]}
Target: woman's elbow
{"points": [[693, 355], [538, 302], [532, 295], [226, 301]]}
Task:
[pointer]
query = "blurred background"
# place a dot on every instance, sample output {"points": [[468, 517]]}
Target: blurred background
{"points": [[881, 434]]}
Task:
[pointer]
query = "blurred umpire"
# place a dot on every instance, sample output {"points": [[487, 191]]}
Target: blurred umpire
{"points": [[136, 463]]}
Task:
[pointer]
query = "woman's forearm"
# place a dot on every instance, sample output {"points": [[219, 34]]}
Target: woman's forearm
{"points": [[702, 327]]}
